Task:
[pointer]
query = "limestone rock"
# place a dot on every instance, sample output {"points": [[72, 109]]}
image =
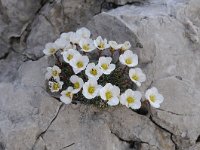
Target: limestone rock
{"points": [[123, 2], [60, 16], [15, 16], [31, 119], [9, 66], [165, 35], [26, 109], [4, 49], [85, 128], [168, 56]]}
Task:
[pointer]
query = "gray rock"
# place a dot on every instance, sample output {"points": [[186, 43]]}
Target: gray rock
{"points": [[26, 32], [13, 19], [85, 128], [165, 35], [169, 54], [31, 119], [9, 66], [123, 2], [60, 16], [4, 49], [182, 105], [26, 109]]}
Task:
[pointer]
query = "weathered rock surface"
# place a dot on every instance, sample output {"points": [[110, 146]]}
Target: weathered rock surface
{"points": [[26, 32], [57, 17], [168, 37], [165, 35], [30, 118], [123, 2], [105, 129], [26, 109]]}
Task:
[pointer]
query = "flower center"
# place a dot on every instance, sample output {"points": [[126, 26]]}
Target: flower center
{"points": [[128, 61], [68, 94], [55, 73], [135, 77], [69, 57], [79, 64], [91, 89], [86, 47], [56, 86], [52, 50], [109, 95], [104, 66], [130, 100], [77, 85], [112, 50], [101, 45], [152, 98], [93, 71]]}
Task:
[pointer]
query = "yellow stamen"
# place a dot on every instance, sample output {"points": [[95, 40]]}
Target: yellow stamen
{"points": [[56, 86], [86, 47], [79, 64], [93, 71], [135, 77], [104, 66], [69, 57], [128, 61], [108, 95], [77, 85], [52, 50], [101, 45], [91, 89], [68, 94], [130, 100], [55, 73], [112, 50], [152, 98]]}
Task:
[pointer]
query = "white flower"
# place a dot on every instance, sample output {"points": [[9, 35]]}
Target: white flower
{"points": [[87, 45], [50, 49], [129, 59], [55, 86], [67, 95], [126, 46], [62, 43], [66, 36], [77, 82], [83, 33], [69, 55], [53, 72], [114, 45], [131, 99], [104, 64], [75, 38], [100, 43], [93, 71], [137, 76], [91, 89], [70, 46], [110, 93], [154, 97], [79, 63]]}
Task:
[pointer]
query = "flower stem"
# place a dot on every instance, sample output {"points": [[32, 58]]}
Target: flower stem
{"points": [[112, 51], [57, 60], [100, 52], [70, 69], [124, 69], [148, 107]]}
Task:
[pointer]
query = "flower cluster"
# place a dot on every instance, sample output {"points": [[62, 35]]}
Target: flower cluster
{"points": [[100, 70]]}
